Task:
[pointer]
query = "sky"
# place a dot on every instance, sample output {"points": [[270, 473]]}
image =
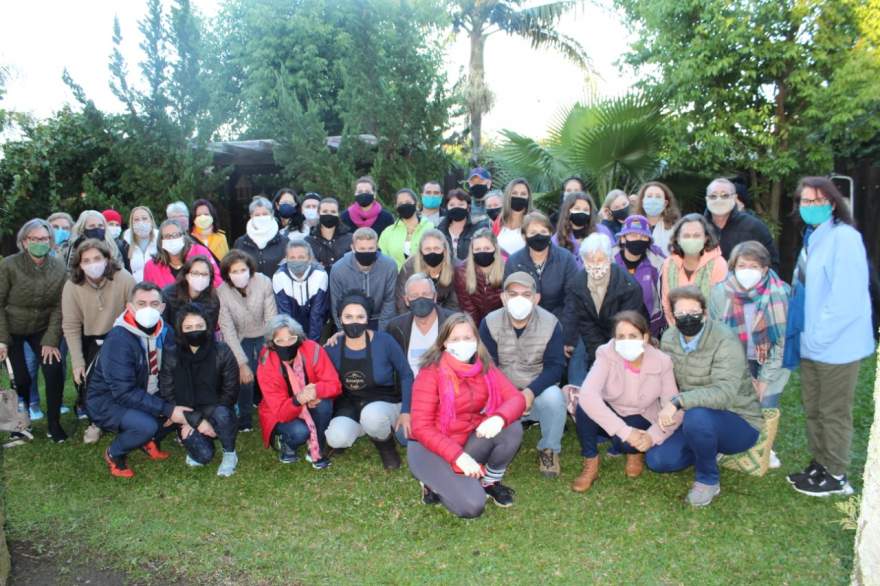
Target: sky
{"points": [[39, 38]]}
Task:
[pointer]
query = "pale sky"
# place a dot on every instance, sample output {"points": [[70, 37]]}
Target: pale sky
{"points": [[39, 38]]}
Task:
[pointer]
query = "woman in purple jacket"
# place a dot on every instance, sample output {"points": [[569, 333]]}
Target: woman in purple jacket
{"points": [[637, 253]]}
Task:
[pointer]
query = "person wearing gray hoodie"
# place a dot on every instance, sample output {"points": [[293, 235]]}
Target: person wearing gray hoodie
{"points": [[368, 271]]}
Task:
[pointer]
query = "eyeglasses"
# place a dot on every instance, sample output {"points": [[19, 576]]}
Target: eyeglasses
{"points": [[716, 196], [172, 236], [818, 201], [42, 240], [682, 315]]}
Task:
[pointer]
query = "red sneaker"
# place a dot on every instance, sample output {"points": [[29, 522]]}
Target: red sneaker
{"points": [[152, 450], [118, 468]]}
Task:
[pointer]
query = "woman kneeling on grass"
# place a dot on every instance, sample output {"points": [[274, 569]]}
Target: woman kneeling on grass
{"points": [[465, 423], [621, 398], [202, 374], [298, 382]]}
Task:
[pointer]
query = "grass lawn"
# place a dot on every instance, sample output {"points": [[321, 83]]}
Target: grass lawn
{"points": [[356, 524]]}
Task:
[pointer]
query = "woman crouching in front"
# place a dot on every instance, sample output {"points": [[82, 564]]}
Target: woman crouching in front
{"points": [[465, 423]]}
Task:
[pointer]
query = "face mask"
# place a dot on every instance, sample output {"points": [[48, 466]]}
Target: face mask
{"points": [[748, 278], [431, 202], [354, 330], [114, 231], [286, 353], [406, 210], [654, 206], [142, 229], [364, 199], [689, 325], [329, 220], [457, 214], [433, 259], [297, 267], [196, 338], [815, 215], [579, 233], [721, 207], [518, 204], [240, 280], [462, 351], [95, 270], [263, 223], [310, 214], [96, 233], [484, 259], [286, 210], [692, 246], [421, 307], [198, 283], [599, 272], [629, 349], [636, 247], [493, 212], [519, 308], [579, 218], [620, 215], [365, 259], [173, 245], [204, 221], [478, 191], [538, 242], [61, 236], [38, 249], [147, 317]]}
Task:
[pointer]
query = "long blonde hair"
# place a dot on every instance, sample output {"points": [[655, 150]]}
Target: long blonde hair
{"points": [[447, 271], [435, 352], [494, 272], [153, 233]]}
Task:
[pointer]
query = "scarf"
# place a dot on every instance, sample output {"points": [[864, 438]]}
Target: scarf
{"points": [[296, 376], [194, 376], [770, 297], [451, 373], [700, 277], [598, 288], [361, 218], [262, 237]]}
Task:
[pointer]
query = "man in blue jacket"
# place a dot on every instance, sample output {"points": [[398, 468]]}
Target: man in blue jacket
{"points": [[121, 395]]}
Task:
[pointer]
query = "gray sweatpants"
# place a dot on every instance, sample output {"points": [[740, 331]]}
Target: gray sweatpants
{"points": [[461, 495]]}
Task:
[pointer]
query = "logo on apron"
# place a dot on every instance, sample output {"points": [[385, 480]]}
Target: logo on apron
{"points": [[355, 380]]}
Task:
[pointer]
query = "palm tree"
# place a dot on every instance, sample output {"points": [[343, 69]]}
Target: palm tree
{"points": [[481, 18], [613, 143]]}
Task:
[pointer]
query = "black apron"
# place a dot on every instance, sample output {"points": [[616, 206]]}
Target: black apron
{"points": [[358, 385]]}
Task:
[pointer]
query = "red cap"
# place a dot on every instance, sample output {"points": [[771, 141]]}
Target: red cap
{"points": [[112, 216]]}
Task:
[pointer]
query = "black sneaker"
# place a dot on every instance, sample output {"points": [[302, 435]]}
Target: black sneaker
{"points": [[502, 495], [824, 484], [814, 469], [429, 497], [320, 463]]}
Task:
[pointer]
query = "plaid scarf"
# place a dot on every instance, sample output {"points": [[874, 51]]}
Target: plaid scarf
{"points": [[770, 297]]}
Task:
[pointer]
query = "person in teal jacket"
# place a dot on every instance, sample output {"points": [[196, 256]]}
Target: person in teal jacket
{"points": [[402, 237]]}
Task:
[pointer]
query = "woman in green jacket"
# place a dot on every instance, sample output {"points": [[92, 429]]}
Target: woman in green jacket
{"points": [[401, 238]]}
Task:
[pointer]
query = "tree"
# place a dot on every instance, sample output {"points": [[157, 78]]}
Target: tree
{"points": [[482, 18]]}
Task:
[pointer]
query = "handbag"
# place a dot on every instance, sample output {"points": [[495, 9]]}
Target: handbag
{"points": [[755, 460], [13, 419]]}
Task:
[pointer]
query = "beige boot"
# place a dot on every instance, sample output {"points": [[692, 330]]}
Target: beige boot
{"points": [[588, 475]]}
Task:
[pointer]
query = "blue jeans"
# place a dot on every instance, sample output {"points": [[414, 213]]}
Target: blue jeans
{"points": [[201, 447], [251, 347], [548, 410], [33, 363], [703, 435], [295, 433], [589, 432], [577, 364], [136, 428]]}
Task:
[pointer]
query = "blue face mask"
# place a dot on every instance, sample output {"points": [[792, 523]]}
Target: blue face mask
{"points": [[431, 202], [815, 215], [61, 236], [653, 206]]}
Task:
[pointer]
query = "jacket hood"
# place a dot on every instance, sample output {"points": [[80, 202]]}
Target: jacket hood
{"points": [[126, 320]]}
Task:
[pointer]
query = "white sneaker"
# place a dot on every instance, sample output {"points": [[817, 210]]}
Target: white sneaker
{"points": [[92, 434], [774, 461], [227, 466]]}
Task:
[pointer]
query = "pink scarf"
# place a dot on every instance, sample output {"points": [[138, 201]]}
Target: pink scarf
{"points": [[361, 218], [297, 377], [451, 373]]}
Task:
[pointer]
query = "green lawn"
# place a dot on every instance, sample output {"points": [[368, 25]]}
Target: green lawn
{"points": [[356, 524]]}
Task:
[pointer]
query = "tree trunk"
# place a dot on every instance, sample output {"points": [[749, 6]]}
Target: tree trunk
{"points": [[476, 96], [866, 564], [782, 146]]}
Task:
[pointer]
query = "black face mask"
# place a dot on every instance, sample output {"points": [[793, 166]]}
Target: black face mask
{"points": [[493, 213], [457, 214], [421, 307], [364, 199], [354, 330], [478, 191], [365, 259], [620, 215], [518, 204], [286, 353], [196, 338], [538, 242], [637, 247], [433, 259], [689, 325], [579, 218], [484, 259], [329, 220], [406, 210], [579, 233], [96, 233]]}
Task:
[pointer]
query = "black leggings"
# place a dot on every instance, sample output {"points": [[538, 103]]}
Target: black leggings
{"points": [[53, 373]]}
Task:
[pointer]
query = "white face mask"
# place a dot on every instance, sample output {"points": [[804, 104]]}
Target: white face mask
{"points": [[198, 283], [597, 272], [147, 317], [748, 278], [95, 270], [462, 351], [173, 245], [240, 280], [114, 231], [263, 222], [630, 349], [310, 214], [721, 207], [142, 229], [519, 307]]}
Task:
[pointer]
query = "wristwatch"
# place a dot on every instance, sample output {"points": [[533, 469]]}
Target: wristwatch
{"points": [[676, 401]]}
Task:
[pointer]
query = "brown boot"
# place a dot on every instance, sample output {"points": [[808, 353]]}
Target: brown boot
{"points": [[588, 475], [635, 463]]}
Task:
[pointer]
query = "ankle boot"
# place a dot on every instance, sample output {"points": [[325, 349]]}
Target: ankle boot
{"points": [[388, 453], [588, 475], [635, 464]]}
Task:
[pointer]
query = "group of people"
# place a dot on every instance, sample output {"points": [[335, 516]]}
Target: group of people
{"points": [[444, 327]]}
